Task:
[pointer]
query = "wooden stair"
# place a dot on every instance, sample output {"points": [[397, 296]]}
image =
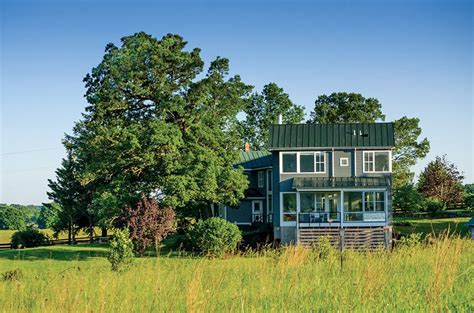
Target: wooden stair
{"points": [[353, 238]]}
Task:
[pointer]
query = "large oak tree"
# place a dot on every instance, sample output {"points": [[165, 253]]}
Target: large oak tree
{"points": [[156, 124]]}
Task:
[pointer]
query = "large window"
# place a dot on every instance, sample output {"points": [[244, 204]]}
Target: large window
{"points": [[289, 207], [307, 162], [353, 201], [307, 202], [303, 162], [289, 162], [261, 179], [377, 161], [367, 206]]}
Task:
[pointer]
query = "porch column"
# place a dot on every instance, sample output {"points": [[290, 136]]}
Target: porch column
{"points": [[342, 208]]}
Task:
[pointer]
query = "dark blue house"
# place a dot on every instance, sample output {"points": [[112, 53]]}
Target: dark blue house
{"points": [[321, 180]]}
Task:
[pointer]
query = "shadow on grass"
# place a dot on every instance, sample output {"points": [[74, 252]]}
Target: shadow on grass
{"points": [[80, 252]]}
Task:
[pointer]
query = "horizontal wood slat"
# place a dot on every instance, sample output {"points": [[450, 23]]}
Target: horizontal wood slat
{"points": [[353, 238]]}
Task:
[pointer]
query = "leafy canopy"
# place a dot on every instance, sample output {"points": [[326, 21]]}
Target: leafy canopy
{"points": [[156, 124], [263, 111], [442, 181], [343, 107]]}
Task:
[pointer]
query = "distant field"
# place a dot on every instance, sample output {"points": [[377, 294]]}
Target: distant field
{"points": [[427, 226], [78, 278]]}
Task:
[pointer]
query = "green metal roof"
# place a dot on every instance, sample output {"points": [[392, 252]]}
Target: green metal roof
{"points": [[307, 136], [339, 182], [255, 159]]}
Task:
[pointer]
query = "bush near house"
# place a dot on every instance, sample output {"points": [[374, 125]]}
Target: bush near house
{"points": [[214, 237]]}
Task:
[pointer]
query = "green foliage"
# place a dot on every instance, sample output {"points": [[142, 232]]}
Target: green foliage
{"points": [[468, 196], [323, 248], [408, 199], [155, 121], [121, 251], [434, 207], [343, 107], [410, 241], [49, 215], [215, 236], [12, 217], [263, 111], [441, 181], [71, 198], [12, 275], [407, 150], [29, 238]]}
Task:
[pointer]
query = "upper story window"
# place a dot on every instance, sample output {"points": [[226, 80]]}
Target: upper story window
{"points": [[261, 179], [303, 162], [377, 162], [289, 162], [320, 162]]}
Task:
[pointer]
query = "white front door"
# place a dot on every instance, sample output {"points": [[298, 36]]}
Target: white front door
{"points": [[257, 211]]}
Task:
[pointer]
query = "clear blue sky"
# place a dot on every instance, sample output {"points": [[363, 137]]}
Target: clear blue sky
{"points": [[414, 56]]}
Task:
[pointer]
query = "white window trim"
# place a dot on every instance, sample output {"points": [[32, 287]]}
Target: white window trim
{"points": [[346, 160], [298, 171], [260, 179], [297, 162], [289, 223], [373, 154]]}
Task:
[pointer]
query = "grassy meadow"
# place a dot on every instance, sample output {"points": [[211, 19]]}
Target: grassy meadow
{"points": [[436, 277], [433, 225]]}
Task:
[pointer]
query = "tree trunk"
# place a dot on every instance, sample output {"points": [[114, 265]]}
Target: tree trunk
{"points": [[91, 230], [104, 232], [69, 233], [73, 234]]}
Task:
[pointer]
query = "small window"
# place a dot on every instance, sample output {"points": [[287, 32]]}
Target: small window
{"points": [[261, 179], [344, 161], [320, 163], [289, 163], [307, 162], [289, 207]]}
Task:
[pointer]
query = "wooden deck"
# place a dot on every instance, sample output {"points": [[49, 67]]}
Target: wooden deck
{"points": [[351, 238]]}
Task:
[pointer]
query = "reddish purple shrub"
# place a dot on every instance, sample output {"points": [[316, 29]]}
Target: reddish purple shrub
{"points": [[147, 222]]}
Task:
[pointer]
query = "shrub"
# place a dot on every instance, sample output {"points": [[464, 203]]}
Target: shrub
{"points": [[214, 236], [121, 251], [408, 199], [434, 207], [29, 238], [323, 248], [13, 275], [148, 223], [413, 240]]}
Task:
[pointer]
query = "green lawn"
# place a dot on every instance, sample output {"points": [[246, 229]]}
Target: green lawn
{"points": [[5, 235], [78, 278], [429, 226]]}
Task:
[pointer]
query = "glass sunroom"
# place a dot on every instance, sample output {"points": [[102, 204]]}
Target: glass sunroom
{"points": [[336, 202]]}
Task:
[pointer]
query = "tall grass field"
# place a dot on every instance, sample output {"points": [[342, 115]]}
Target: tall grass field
{"points": [[438, 276]]}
